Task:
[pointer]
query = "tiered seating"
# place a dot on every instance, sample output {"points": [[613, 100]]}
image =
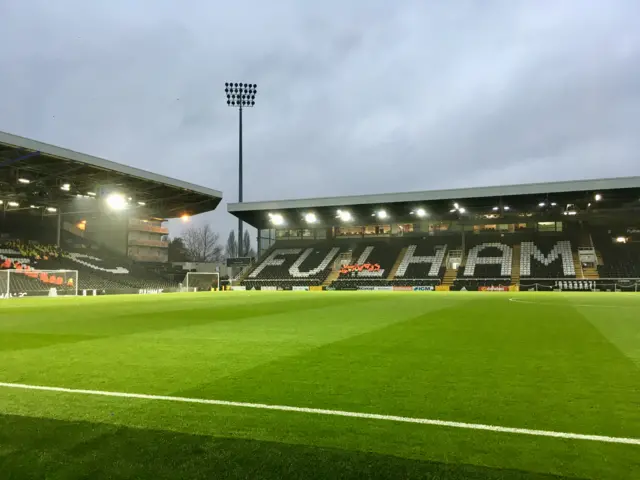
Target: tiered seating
{"points": [[365, 253], [421, 264], [423, 260], [546, 257], [372, 262], [621, 260], [293, 265], [488, 262], [488, 256], [97, 269]]}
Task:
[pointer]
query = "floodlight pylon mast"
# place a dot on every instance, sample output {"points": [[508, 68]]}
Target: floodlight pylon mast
{"points": [[240, 95]]}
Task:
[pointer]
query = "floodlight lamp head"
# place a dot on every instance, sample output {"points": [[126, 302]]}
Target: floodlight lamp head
{"points": [[276, 219], [116, 201], [241, 94]]}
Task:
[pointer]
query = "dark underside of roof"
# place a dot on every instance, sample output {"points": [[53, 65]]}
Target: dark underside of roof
{"points": [[551, 205], [48, 172]]}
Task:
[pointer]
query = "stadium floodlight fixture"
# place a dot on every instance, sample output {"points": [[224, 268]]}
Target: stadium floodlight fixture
{"points": [[13, 204], [33, 206], [65, 187], [142, 204], [382, 214], [506, 208], [597, 197], [542, 204], [276, 219], [241, 94], [344, 215], [91, 194], [621, 240], [495, 209], [453, 210], [462, 210], [24, 181], [116, 201], [421, 212], [553, 204], [1, 202], [456, 206], [52, 209], [310, 218]]}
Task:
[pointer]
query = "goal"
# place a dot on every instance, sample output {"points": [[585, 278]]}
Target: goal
{"points": [[34, 283], [202, 281]]}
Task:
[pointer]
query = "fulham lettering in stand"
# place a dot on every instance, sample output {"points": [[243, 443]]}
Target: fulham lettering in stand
{"points": [[409, 258], [295, 271]]}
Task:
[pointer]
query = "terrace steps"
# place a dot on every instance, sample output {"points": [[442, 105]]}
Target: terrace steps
{"points": [[396, 265]]}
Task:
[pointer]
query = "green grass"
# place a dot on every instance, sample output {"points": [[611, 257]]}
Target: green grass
{"points": [[563, 362]]}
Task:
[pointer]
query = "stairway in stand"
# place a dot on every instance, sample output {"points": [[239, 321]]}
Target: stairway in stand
{"points": [[333, 275], [590, 273], [449, 276], [394, 269], [515, 265], [577, 265]]}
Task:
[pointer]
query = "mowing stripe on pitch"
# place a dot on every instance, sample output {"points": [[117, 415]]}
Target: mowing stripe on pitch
{"points": [[338, 413]]}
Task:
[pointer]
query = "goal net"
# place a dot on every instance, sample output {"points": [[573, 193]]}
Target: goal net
{"points": [[31, 283], [201, 281]]}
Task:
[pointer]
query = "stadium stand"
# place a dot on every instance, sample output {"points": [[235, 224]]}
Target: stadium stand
{"points": [[621, 260], [97, 268], [546, 257], [115, 211], [389, 262], [291, 264]]}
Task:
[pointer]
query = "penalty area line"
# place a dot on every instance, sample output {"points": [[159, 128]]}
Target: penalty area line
{"points": [[337, 413]]}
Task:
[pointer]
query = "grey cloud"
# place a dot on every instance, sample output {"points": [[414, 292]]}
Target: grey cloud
{"points": [[354, 97]]}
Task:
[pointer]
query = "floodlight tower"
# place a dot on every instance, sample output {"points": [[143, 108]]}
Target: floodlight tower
{"points": [[240, 95]]}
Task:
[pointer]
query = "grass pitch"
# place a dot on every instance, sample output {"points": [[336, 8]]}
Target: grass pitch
{"points": [[557, 362]]}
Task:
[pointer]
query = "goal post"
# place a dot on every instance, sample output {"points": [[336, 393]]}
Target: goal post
{"points": [[202, 281], [30, 283]]}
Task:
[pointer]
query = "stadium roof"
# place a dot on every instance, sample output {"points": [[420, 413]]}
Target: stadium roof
{"points": [[617, 193], [34, 172]]}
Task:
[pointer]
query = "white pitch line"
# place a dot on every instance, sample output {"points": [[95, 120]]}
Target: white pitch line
{"points": [[338, 413], [557, 304]]}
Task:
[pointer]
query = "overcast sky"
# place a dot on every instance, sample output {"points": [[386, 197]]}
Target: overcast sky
{"points": [[362, 96]]}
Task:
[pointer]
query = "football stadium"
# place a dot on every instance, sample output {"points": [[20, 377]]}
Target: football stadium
{"points": [[483, 333]]}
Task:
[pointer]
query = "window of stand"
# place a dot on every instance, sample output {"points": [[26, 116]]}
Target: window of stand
{"points": [[373, 230], [348, 231], [405, 228], [549, 226], [438, 227]]}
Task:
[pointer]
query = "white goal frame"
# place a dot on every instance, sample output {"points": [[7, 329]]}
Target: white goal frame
{"points": [[8, 275], [192, 289]]}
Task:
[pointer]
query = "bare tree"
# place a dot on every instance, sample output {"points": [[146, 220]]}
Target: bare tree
{"points": [[231, 250], [201, 244], [246, 244], [177, 250]]}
